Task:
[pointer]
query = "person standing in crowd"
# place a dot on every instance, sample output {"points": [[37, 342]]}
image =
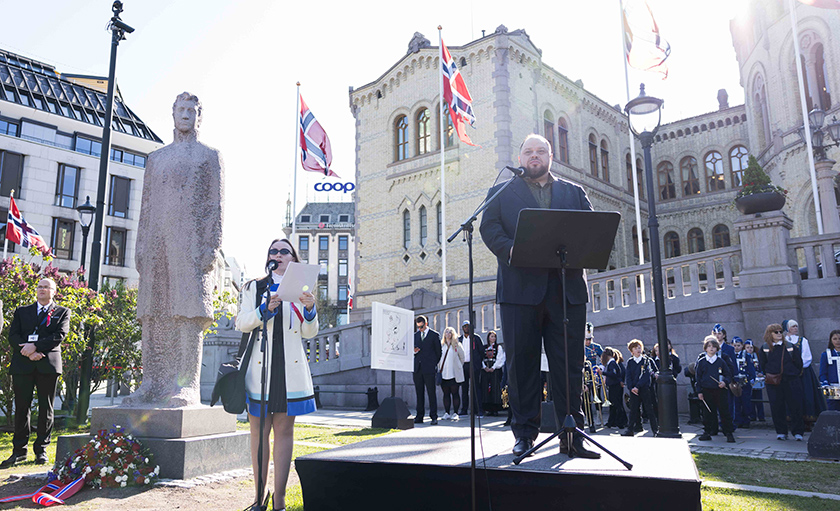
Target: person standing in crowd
{"points": [[814, 403], [778, 357], [745, 377], [427, 352], [713, 376], [830, 366], [757, 407], [727, 353], [452, 372], [288, 383], [471, 349], [491, 375], [591, 349], [615, 373], [35, 337], [638, 380]]}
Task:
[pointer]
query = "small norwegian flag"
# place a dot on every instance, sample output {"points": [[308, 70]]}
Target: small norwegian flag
{"points": [[18, 231]]}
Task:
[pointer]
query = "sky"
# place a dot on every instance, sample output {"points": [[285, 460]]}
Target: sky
{"points": [[242, 58]]}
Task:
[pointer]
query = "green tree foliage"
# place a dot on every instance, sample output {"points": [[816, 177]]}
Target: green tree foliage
{"points": [[757, 181]]}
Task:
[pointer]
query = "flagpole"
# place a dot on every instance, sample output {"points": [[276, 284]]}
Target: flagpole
{"points": [[6, 237], [295, 154], [442, 173], [805, 120], [634, 177]]}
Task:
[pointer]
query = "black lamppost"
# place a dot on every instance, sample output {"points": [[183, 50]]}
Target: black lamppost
{"points": [[86, 212], [118, 30], [816, 118], [644, 114]]}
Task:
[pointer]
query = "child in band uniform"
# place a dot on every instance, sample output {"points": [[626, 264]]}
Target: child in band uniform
{"points": [[638, 380], [713, 377]]}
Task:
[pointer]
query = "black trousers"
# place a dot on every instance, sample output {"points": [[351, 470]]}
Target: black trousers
{"points": [[618, 417], [525, 329], [645, 399], [718, 401], [450, 395], [423, 384], [465, 390], [789, 394], [23, 386]]}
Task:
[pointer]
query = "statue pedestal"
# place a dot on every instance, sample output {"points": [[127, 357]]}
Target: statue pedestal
{"points": [[186, 442]]}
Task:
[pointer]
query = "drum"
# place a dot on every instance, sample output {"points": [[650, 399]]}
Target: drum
{"points": [[759, 383], [832, 392]]}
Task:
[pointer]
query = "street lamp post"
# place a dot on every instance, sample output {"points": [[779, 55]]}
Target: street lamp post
{"points": [[644, 115], [816, 117], [823, 166], [86, 212]]}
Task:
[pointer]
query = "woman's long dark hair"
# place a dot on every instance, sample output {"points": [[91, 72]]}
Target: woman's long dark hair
{"points": [[832, 334], [291, 247]]}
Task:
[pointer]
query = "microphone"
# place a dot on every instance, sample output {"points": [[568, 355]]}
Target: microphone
{"points": [[271, 266], [517, 171]]}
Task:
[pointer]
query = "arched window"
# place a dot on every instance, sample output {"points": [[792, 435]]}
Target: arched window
{"points": [[738, 157], [672, 244], [696, 242], [448, 128], [720, 236], [667, 188], [640, 177], [593, 156], [629, 164], [401, 138], [439, 222], [562, 140], [714, 171], [645, 245], [406, 229], [424, 131], [424, 226], [605, 161], [548, 126], [690, 179], [762, 111]]}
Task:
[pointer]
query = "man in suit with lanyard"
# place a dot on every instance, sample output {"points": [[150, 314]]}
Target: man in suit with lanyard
{"points": [[427, 351], [531, 303], [35, 336]]}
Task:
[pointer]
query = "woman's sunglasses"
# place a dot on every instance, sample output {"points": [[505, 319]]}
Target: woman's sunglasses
{"points": [[281, 251]]}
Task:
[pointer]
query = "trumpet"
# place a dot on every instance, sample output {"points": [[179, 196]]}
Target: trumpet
{"points": [[590, 395]]}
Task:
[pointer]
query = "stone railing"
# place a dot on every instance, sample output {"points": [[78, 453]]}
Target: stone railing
{"points": [[810, 252]]}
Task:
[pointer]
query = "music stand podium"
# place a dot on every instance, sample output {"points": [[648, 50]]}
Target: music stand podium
{"points": [[559, 238]]}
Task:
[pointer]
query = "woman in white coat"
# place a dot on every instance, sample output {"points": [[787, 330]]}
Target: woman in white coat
{"points": [[288, 382], [451, 367]]}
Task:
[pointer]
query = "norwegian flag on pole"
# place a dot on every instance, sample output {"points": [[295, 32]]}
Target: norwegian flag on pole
{"points": [[18, 231], [349, 294], [315, 151], [456, 95], [644, 47]]}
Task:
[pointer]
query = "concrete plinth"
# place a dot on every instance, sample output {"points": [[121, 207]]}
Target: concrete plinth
{"points": [[165, 422]]}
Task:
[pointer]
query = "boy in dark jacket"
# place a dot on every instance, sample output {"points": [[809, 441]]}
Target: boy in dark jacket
{"points": [[638, 380], [713, 376]]}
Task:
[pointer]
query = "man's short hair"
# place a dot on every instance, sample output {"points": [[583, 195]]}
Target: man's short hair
{"points": [[51, 281], [186, 96], [419, 319], [635, 342], [711, 341], [538, 136]]}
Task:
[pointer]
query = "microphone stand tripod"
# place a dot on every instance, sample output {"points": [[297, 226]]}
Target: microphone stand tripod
{"points": [[263, 403]]}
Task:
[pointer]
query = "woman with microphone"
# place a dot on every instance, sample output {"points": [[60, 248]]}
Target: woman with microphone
{"points": [[288, 383]]}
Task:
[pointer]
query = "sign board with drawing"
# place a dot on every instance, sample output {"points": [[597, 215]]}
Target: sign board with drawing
{"points": [[392, 338]]}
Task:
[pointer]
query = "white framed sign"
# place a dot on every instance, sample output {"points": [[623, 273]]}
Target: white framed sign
{"points": [[392, 338]]}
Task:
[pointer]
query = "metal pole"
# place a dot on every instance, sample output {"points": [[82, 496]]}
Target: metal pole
{"points": [[295, 154], [85, 231], [443, 286], [666, 383]]}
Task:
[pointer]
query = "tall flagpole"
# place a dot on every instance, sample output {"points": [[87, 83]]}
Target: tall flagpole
{"points": [[295, 154], [805, 119], [634, 177], [442, 174]]}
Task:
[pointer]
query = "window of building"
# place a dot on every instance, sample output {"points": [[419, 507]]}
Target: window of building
{"points": [[323, 242], [324, 219], [401, 138], [88, 146], [593, 156], [821, 73], [406, 229], [714, 171], [115, 240], [62, 238], [738, 160], [667, 187], [439, 221], [424, 131], [325, 267], [343, 218], [112, 282], [720, 236], [67, 186], [762, 111], [640, 177], [303, 243], [342, 267], [690, 179], [672, 244], [448, 129], [120, 194], [342, 293], [9, 128], [696, 242], [4, 217], [628, 163], [562, 140], [343, 242], [11, 173], [322, 291], [548, 127], [305, 219], [605, 161], [423, 226]]}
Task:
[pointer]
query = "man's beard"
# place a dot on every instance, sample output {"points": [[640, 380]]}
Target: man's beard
{"points": [[536, 172]]}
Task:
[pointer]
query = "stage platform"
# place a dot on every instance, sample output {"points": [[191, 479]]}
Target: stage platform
{"points": [[428, 467]]}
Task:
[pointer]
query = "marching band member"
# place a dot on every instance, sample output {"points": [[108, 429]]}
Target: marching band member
{"points": [[615, 373], [744, 377], [814, 403], [757, 406], [713, 376], [638, 380], [830, 366]]}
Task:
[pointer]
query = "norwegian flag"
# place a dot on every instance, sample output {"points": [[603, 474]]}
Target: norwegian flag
{"points": [[456, 95], [644, 47], [18, 231], [349, 294], [315, 151]]}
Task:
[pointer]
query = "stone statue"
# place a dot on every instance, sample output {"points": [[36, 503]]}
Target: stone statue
{"points": [[178, 240], [418, 42]]}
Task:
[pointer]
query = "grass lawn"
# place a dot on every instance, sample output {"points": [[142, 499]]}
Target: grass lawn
{"points": [[720, 499], [793, 475], [6, 448]]}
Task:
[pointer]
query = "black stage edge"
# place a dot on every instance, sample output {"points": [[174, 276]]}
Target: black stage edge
{"points": [[428, 467]]}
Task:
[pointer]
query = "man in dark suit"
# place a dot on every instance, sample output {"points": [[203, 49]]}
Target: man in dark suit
{"points": [[427, 352], [472, 351], [531, 303], [35, 336]]}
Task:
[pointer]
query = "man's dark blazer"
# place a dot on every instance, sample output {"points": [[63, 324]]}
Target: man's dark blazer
{"points": [[50, 336], [426, 360], [477, 353], [527, 286]]}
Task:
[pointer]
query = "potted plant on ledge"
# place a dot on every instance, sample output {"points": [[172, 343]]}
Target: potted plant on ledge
{"points": [[758, 195]]}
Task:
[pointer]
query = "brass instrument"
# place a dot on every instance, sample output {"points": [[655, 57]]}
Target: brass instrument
{"points": [[590, 397], [831, 392], [505, 397]]}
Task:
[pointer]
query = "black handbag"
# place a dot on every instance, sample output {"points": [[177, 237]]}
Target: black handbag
{"points": [[439, 372], [230, 383]]}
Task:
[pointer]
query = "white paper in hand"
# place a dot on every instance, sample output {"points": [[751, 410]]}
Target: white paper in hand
{"points": [[299, 278]]}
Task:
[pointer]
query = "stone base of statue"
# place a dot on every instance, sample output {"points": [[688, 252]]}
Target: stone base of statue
{"points": [[186, 442]]}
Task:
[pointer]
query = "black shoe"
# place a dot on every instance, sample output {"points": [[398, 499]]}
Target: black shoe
{"points": [[434, 422], [522, 445], [628, 432], [41, 458], [730, 439], [704, 437], [578, 450], [507, 422], [418, 420], [13, 460]]}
